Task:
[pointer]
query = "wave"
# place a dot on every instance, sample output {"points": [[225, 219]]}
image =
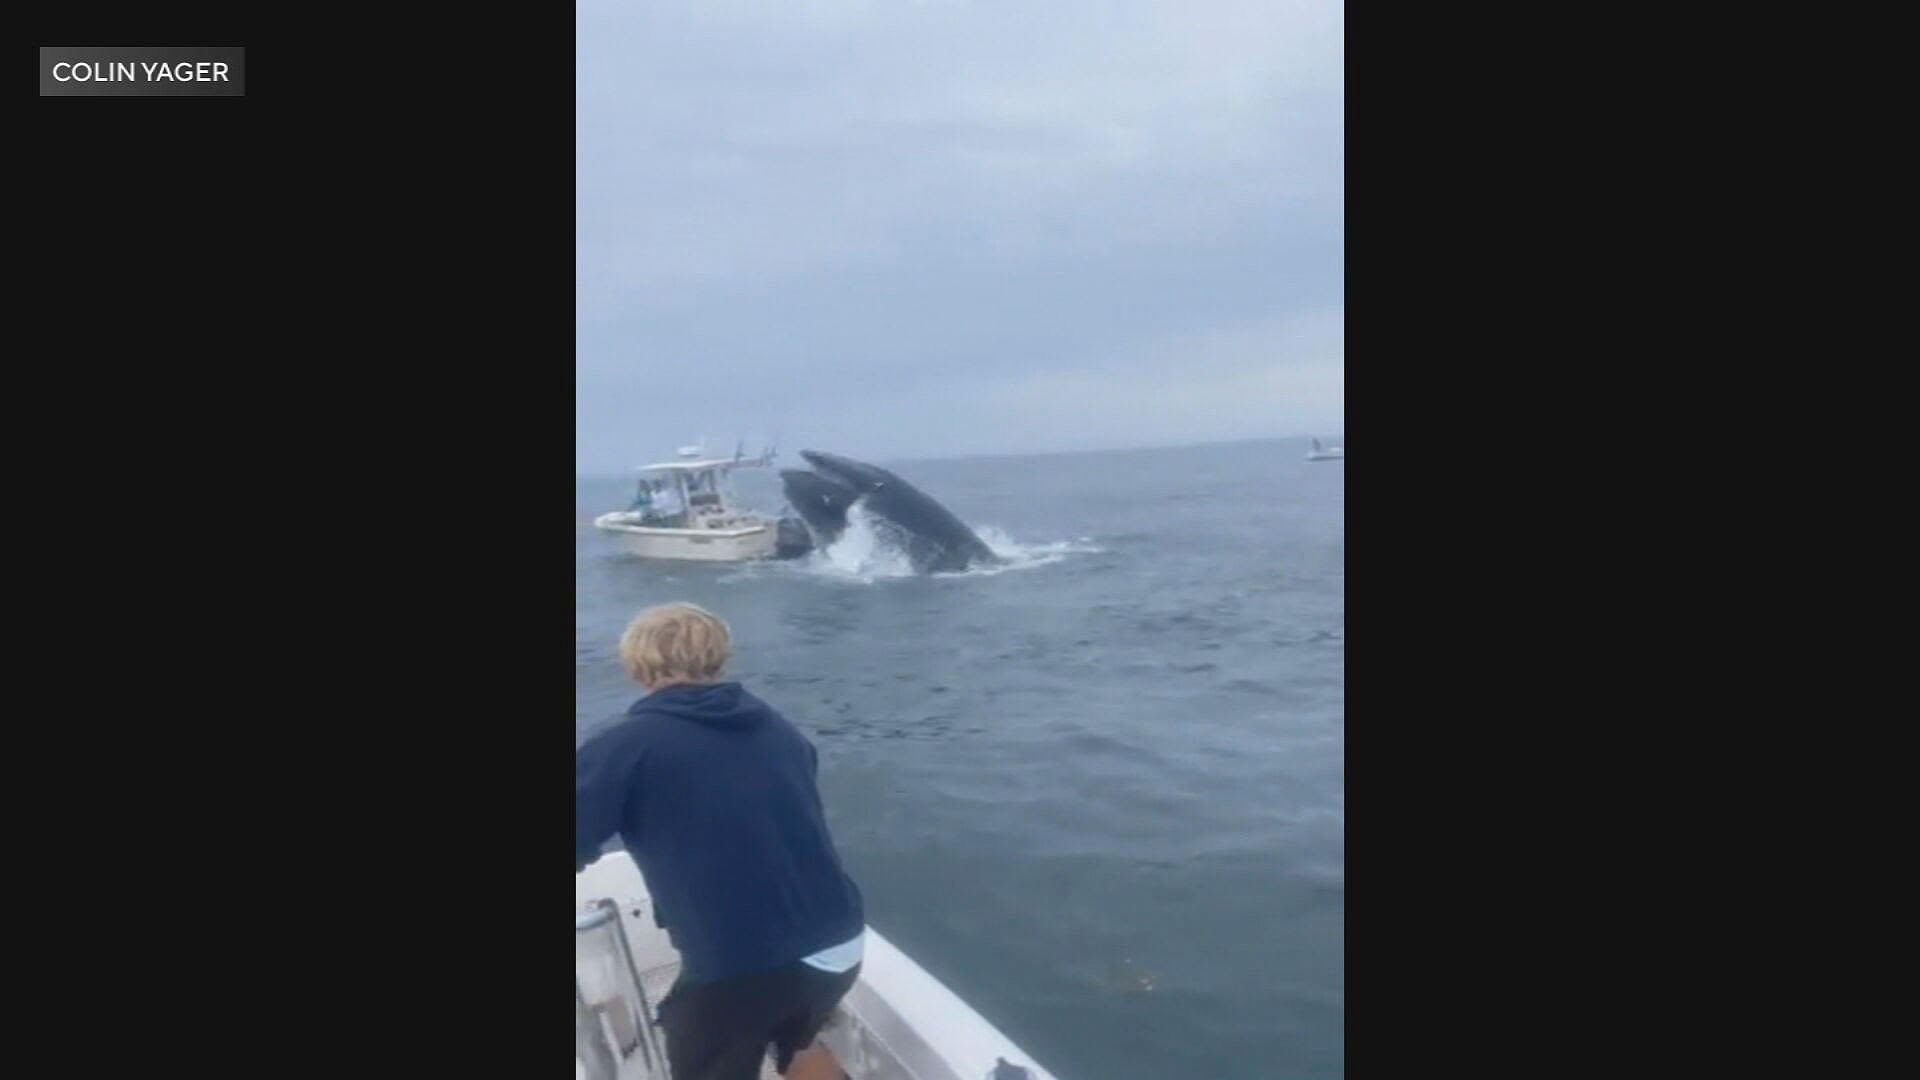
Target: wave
{"points": [[870, 551]]}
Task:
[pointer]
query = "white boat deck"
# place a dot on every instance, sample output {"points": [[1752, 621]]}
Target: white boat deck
{"points": [[896, 1023]]}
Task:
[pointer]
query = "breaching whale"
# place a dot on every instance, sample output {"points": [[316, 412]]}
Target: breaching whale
{"points": [[820, 502], [933, 539]]}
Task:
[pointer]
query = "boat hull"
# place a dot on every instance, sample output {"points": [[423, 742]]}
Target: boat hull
{"points": [[742, 543]]}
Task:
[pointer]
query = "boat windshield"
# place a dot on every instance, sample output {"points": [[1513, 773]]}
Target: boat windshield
{"points": [[674, 498]]}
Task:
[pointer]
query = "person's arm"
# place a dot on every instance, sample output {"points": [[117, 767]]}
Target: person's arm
{"points": [[604, 773]]}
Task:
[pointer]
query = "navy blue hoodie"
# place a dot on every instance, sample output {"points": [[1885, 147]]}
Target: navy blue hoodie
{"points": [[714, 795]]}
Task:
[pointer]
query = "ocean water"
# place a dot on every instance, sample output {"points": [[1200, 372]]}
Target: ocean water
{"points": [[1100, 793]]}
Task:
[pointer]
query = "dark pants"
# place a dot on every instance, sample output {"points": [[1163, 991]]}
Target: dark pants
{"points": [[721, 1030]]}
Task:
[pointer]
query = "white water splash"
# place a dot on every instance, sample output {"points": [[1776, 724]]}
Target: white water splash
{"points": [[863, 552], [868, 551], [1021, 556]]}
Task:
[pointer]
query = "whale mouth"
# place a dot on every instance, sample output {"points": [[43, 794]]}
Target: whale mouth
{"points": [[866, 523], [854, 474], [809, 488]]}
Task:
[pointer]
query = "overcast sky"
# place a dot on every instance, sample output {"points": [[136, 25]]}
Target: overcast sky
{"points": [[922, 228]]}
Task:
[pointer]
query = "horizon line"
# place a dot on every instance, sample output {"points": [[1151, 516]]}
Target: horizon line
{"points": [[973, 456]]}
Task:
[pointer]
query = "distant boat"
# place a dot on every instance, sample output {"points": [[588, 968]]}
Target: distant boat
{"points": [[1330, 453]]}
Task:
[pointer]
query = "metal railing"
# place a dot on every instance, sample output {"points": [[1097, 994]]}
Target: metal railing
{"points": [[614, 1033]]}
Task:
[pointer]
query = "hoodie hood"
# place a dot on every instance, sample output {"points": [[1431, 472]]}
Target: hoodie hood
{"points": [[717, 705]]}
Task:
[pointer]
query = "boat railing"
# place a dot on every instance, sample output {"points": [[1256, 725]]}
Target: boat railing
{"points": [[897, 1022], [614, 1031]]}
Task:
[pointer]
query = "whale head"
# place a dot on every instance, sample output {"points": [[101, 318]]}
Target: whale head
{"points": [[812, 491], [820, 501], [858, 475]]}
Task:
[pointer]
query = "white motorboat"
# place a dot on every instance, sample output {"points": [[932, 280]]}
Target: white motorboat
{"points": [[685, 510], [896, 1023], [1331, 453]]}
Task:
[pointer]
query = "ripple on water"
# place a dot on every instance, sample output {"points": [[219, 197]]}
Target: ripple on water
{"points": [[1128, 751]]}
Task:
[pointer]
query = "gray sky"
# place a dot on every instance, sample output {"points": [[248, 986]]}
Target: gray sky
{"points": [[920, 228]]}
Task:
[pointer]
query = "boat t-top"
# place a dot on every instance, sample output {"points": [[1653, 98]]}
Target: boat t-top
{"points": [[684, 509], [1331, 453]]}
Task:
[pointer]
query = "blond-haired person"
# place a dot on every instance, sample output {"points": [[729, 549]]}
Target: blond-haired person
{"points": [[714, 794]]}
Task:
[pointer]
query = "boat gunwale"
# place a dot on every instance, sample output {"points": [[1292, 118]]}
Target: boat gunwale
{"points": [[913, 1018], [681, 533]]}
